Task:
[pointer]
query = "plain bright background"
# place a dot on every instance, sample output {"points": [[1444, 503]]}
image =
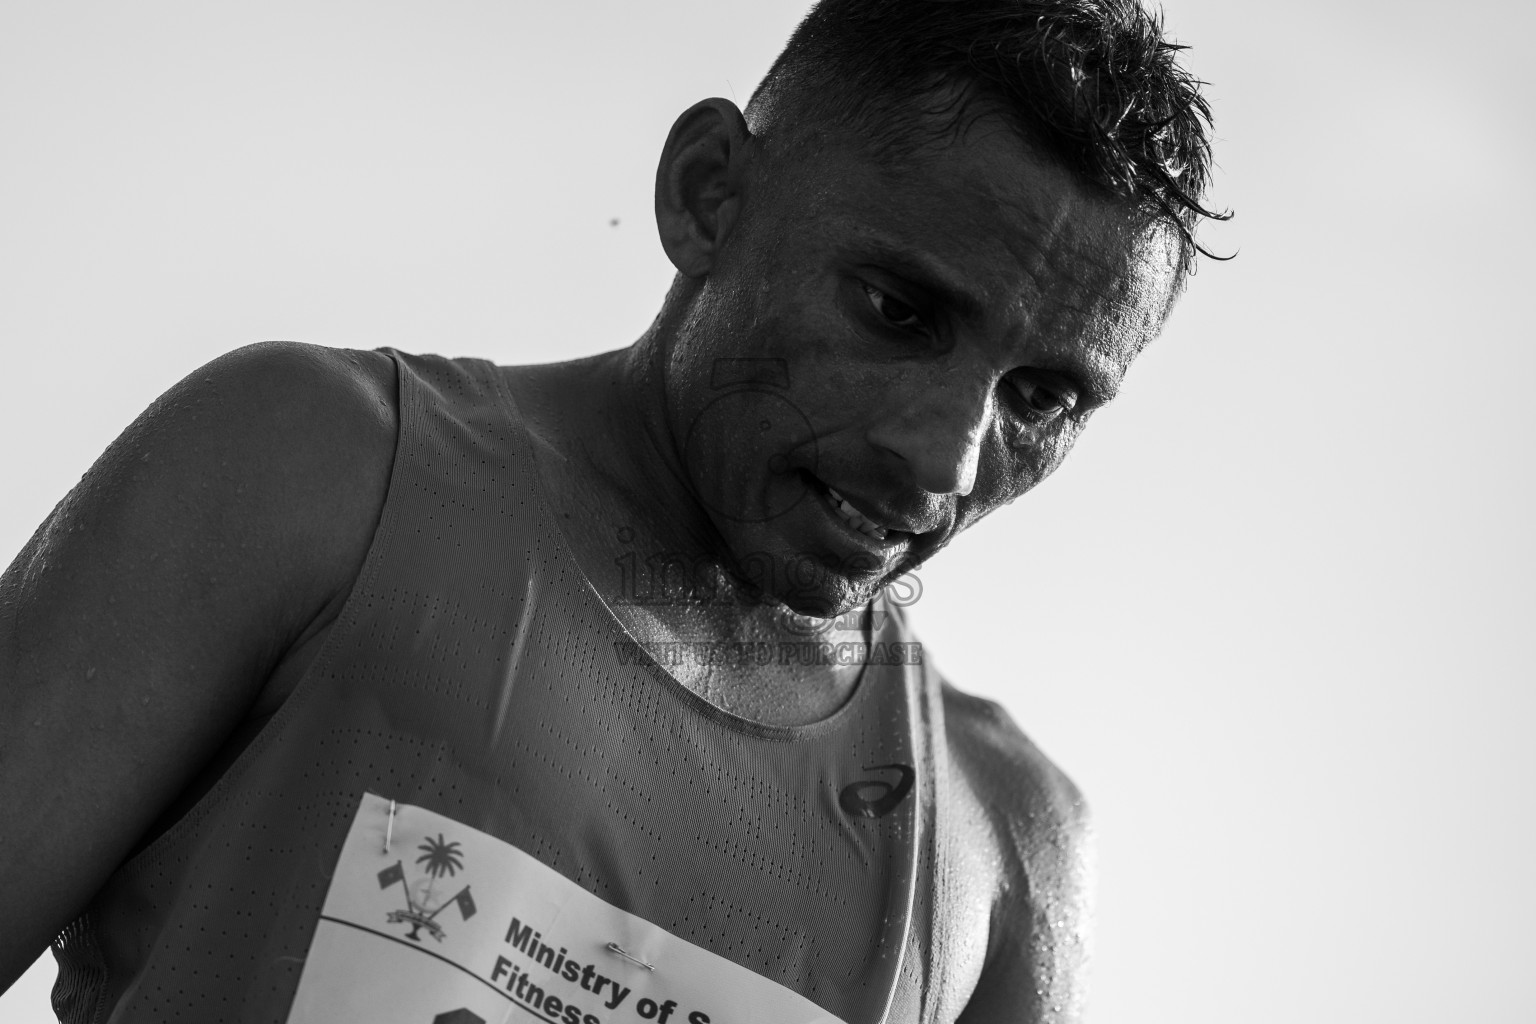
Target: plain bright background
{"points": [[1275, 615]]}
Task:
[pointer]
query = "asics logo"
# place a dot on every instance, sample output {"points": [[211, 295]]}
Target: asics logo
{"points": [[875, 798]]}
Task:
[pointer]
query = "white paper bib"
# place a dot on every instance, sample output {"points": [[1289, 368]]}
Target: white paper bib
{"points": [[428, 921]]}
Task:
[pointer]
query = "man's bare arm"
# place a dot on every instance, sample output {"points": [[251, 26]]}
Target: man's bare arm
{"points": [[140, 623], [1037, 955]]}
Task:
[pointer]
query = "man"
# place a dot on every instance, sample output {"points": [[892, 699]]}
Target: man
{"points": [[356, 684]]}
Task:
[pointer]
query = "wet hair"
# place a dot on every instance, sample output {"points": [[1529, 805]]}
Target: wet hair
{"points": [[1092, 83]]}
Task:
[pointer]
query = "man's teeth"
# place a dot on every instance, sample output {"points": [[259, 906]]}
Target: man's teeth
{"points": [[854, 517]]}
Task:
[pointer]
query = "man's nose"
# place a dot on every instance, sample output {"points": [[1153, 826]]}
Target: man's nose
{"points": [[939, 439]]}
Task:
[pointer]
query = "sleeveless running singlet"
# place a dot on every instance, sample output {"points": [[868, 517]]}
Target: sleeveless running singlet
{"points": [[481, 754]]}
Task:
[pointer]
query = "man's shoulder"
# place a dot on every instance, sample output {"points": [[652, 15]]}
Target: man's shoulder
{"points": [[268, 464], [300, 378], [298, 425], [1024, 824], [1018, 802], [1007, 772]]}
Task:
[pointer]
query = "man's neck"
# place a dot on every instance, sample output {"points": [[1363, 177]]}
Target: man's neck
{"points": [[615, 478]]}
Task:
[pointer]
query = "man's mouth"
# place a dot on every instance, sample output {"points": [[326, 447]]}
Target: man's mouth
{"points": [[854, 518]]}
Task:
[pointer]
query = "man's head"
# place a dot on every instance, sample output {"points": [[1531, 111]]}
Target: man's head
{"points": [[1091, 84], [941, 287]]}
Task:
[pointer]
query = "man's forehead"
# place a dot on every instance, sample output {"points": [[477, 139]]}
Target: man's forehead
{"points": [[983, 180], [1002, 229]]}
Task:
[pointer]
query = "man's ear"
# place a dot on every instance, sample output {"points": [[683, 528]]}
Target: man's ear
{"points": [[698, 183]]}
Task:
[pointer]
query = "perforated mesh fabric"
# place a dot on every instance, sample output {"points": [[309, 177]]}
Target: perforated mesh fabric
{"points": [[474, 672]]}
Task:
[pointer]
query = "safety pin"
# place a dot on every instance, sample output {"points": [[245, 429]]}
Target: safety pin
{"points": [[389, 829], [614, 947]]}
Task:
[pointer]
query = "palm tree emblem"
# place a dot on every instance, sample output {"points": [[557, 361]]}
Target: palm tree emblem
{"points": [[440, 858]]}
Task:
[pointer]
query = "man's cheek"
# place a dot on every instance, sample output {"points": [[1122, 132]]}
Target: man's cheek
{"points": [[1061, 445], [1007, 471], [1041, 454]]}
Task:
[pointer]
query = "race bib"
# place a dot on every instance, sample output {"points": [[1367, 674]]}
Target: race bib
{"points": [[428, 921]]}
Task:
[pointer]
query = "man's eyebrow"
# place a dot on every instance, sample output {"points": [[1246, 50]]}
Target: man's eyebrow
{"points": [[925, 272]]}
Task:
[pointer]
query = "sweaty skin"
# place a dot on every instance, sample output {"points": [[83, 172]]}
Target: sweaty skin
{"points": [[944, 329], [933, 323]]}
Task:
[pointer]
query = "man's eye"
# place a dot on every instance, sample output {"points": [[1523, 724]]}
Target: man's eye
{"points": [[1045, 400], [892, 311]]}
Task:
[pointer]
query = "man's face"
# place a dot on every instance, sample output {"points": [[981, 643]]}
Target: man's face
{"points": [[882, 355]]}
